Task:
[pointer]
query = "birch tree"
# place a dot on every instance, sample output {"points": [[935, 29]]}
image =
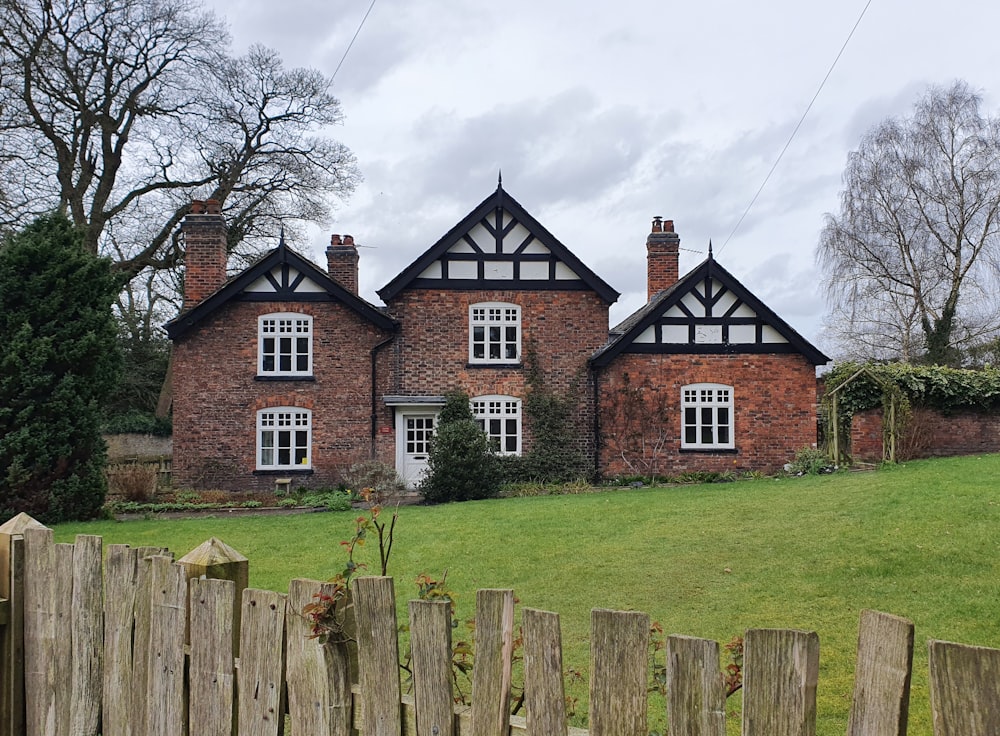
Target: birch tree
{"points": [[910, 262]]}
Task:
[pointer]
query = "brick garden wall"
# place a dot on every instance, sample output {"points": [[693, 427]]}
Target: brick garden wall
{"points": [[215, 406], [929, 433], [774, 401]]}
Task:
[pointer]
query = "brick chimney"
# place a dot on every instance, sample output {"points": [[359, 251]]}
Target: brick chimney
{"points": [[662, 250], [342, 262], [205, 234]]}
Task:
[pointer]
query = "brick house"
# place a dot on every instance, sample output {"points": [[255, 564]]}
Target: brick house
{"points": [[284, 374], [704, 377]]}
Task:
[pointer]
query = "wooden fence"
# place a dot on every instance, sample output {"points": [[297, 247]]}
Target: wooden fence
{"points": [[127, 642]]}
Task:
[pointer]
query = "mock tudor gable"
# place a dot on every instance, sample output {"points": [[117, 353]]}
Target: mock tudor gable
{"points": [[499, 246], [707, 312]]}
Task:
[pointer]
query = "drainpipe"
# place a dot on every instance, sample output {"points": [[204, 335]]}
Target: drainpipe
{"points": [[374, 414], [596, 373]]}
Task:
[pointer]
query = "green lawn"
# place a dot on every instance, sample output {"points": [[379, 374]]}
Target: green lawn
{"points": [[919, 540]]}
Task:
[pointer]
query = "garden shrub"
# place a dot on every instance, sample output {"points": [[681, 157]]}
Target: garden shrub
{"points": [[461, 465]]}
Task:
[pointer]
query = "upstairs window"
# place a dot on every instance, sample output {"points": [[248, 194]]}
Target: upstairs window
{"points": [[494, 333], [284, 345], [500, 419], [707, 411], [284, 438]]}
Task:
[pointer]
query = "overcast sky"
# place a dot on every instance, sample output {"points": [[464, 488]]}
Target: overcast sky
{"points": [[602, 115]]}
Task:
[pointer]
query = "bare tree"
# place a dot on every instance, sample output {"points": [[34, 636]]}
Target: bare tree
{"points": [[913, 251], [119, 112]]}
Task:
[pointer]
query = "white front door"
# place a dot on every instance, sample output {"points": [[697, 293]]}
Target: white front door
{"points": [[413, 435]]}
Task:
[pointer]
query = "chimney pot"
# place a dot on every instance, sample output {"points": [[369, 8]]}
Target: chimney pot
{"points": [[668, 226], [342, 262], [657, 224], [213, 207]]}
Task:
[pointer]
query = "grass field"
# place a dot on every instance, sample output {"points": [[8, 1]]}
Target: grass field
{"points": [[920, 540]]}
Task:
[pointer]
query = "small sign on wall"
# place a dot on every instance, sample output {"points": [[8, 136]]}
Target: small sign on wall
{"points": [[385, 430]]}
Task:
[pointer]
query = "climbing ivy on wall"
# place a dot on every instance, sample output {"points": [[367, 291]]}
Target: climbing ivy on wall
{"points": [[931, 386]]}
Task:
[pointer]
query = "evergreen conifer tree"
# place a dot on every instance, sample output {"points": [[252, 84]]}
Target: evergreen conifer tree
{"points": [[461, 465], [59, 363]]}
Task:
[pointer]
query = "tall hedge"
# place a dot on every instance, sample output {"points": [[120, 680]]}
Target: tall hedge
{"points": [[59, 363]]}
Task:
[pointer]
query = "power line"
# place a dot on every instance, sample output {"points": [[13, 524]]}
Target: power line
{"points": [[799, 125], [360, 26]]}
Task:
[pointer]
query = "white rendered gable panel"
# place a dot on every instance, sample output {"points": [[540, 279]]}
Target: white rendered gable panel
{"points": [[517, 235], [463, 270], [742, 334], [725, 302], [690, 301], [674, 333], [498, 270], [675, 311], [486, 241], [477, 233], [534, 270], [647, 336], [505, 219], [263, 285], [535, 247], [771, 335], [433, 271], [744, 311], [565, 273]]}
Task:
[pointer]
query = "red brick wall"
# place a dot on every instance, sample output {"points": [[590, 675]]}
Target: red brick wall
{"points": [[774, 412], [216, 396], [928, 433], [866, 436], [432, 351]]}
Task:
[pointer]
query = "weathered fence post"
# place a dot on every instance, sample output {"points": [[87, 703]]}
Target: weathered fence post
{"points": [[260, 681], [619, 651], [430, 645], [882, 676], [39, 631], [210, 666], [318, 675], [491, 672], [965, 689], [781, 669], [120, 575], [378, 656], [165, 712], [217, 560], [544, 690], [87, 632], [141, 634], [696, 698], [12, 642]]}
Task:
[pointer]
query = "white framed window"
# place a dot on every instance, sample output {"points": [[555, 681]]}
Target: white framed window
{"points": [[707, 416], [284, 438], [284, 345], [500, 419], [494, 333]]}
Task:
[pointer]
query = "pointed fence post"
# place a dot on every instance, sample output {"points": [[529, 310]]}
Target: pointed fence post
{"points": [[12, 640], [216, 560]]}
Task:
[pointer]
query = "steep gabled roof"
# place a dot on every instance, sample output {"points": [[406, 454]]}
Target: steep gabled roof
{"points": [[708, 311], [498, 245], [282, 275]]}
